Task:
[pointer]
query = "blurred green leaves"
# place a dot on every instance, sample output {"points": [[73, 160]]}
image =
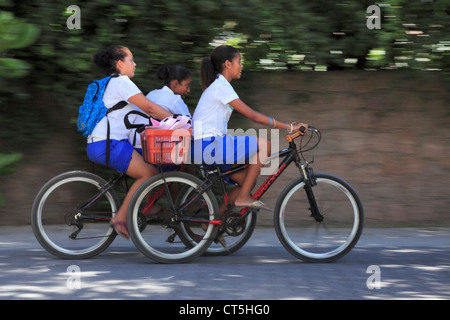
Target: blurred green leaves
{"points": [[15, 33], [39, 54], [7, 162]]}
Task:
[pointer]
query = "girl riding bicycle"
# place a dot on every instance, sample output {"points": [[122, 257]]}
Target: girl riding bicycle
{"points": [[210, 123], [118, 62]]}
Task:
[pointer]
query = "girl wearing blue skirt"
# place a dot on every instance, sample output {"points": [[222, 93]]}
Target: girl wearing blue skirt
{"points": [[212, 144]]}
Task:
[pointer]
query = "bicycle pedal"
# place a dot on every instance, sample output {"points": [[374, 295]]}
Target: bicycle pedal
{"points": [[221, 240], [171, 238]]}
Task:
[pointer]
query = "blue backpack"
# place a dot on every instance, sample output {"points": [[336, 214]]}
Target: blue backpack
{"points": [[93, 109]]}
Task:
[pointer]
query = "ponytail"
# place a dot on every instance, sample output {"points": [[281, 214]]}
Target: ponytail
{"points": [[213, 65], [207, 73], [107, 59]]}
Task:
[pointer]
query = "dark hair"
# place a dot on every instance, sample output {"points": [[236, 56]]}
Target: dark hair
{"points": [[213, 65], [106, 59], [167, 73]]}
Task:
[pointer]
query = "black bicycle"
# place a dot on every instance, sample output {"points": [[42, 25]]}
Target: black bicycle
{"points": [[318, 217]]}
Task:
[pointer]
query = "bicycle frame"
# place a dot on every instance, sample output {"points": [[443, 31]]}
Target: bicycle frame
{"points": [[290, 155], [102, 191]]}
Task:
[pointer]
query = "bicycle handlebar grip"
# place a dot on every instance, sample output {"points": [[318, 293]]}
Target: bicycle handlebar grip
{"points": [[302, 129]]}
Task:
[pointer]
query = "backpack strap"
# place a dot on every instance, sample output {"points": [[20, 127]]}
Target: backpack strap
{"points": [[139, 126], [117, 106]]}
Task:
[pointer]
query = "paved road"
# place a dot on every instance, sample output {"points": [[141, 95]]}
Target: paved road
{"points": [[402, 263]]}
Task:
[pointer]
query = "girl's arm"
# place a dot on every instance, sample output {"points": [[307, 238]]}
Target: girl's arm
{"points": [[260, 118], [149, 107]]}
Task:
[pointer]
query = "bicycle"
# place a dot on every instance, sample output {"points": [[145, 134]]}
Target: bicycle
{"points": [[71, 215], [318, 217]]}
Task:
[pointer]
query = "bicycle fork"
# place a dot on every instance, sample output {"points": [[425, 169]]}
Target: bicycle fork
{"points": [[310, 182]]}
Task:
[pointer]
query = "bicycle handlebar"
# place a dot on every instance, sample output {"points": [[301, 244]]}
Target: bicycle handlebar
{"points": [[301, 133]]}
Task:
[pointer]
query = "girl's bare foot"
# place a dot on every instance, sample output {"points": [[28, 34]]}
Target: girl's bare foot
{"points": [[121, 228]]}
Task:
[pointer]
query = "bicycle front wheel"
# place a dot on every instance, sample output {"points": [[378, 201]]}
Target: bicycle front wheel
{"points": [[319, 241], [155, 219], [66, 230]]}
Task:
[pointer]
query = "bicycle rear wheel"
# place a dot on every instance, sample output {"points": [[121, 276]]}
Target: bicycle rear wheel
{"points": [[155, 227], [327, 240], [62, 228]]}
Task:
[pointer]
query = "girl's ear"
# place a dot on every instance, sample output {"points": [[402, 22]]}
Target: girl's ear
{"points": [[227, 64], [174, 83], [119, 65]]}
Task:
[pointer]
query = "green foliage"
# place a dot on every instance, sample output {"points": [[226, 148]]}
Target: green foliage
{"points": [[7, 162], [272, 35], [14, 34], [282, 34]]}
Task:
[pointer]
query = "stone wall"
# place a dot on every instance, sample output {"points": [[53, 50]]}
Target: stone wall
{"points": [[386, 133]]}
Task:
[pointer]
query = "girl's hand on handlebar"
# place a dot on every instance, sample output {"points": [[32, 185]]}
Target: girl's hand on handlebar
{"points": [[302, 127]]}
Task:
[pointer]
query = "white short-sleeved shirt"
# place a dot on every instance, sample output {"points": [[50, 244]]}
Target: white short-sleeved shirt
{"points": [[119, 88], [213, 110], [170, 101]]}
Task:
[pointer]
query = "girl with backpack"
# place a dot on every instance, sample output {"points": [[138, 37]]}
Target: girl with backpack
{"points": [[210, 123], [118, 62]]}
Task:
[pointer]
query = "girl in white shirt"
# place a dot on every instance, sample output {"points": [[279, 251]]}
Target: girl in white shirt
{"points": [[210, 121], [177, 85], [118, 62], [177, 82]]}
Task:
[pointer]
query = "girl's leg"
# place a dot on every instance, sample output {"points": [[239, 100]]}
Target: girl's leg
{"points": [[141, 171], [239, 178], [244, 198]]}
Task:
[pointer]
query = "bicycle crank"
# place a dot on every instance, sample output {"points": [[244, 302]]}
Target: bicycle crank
{"points": [[234, 224]]}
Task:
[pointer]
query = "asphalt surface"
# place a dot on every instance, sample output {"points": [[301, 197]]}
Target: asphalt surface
{"points": [[385, 264]]}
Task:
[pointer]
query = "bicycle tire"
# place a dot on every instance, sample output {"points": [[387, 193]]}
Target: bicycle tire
{"points": [[325, 241], [148, 232], [55, 204]]}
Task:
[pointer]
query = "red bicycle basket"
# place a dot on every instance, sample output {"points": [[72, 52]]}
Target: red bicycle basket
{"points": [[160, 146]]}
